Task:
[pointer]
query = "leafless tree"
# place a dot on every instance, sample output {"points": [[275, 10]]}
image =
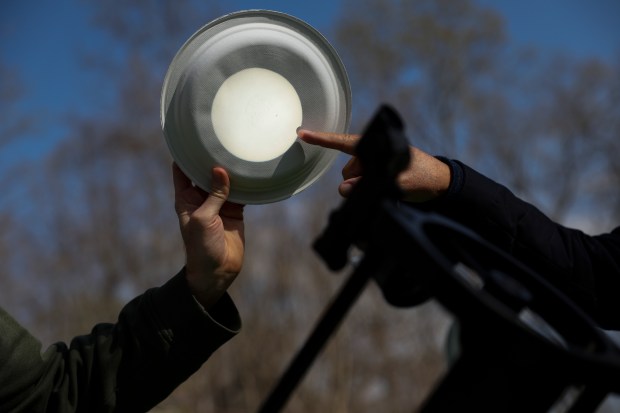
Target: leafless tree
{"points": [[102, 226], [542, 125]]}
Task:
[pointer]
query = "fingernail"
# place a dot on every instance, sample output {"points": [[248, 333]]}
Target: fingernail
{"points": [[217, 181]]}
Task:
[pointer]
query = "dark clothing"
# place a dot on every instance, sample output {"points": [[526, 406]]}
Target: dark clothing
{"points": [[586, 268], [161, 338]]}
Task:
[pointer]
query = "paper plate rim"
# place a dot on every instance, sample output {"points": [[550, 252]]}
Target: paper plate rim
{"points": [[328, 156]]}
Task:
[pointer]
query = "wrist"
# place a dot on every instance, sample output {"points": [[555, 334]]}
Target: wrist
{"points": [[201, 290], [425, 179], [208, 288]]}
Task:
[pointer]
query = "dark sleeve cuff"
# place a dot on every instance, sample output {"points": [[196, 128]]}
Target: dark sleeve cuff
{"points": [[223, 313], [456, 177], [179, 311]]}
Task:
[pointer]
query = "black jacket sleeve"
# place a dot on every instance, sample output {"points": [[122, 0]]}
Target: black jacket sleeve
{"points": [[160, 339], [586, 268]]}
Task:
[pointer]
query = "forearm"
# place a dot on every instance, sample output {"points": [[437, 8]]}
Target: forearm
{"points": [[160, 339], [171, 344], [586, 268], [59, 378]]}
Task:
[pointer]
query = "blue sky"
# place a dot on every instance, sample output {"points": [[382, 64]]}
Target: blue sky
{"points": [[42, 40], [577, 27]]}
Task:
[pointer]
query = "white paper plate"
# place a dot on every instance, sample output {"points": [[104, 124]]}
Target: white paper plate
{"points": [[235, 93]]}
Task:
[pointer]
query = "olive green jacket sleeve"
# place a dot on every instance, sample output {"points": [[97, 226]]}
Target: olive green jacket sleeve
{"points": [[161, 338]]}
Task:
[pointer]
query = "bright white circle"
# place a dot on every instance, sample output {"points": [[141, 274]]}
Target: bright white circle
{"points": [[255, 114]]}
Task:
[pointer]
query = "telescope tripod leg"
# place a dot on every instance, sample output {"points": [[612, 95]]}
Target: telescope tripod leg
{"points": [[331, 319]]}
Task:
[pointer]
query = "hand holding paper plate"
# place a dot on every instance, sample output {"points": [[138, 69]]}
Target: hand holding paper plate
{"points": [[235, 94]]}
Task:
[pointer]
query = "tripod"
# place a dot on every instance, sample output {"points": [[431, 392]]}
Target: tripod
{"points": [[523, 346]]}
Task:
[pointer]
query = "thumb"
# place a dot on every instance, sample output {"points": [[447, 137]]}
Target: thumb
{"points": [[220, 189]]}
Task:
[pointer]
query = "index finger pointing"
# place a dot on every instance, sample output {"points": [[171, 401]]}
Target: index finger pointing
{"points": [[343, 142]]}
